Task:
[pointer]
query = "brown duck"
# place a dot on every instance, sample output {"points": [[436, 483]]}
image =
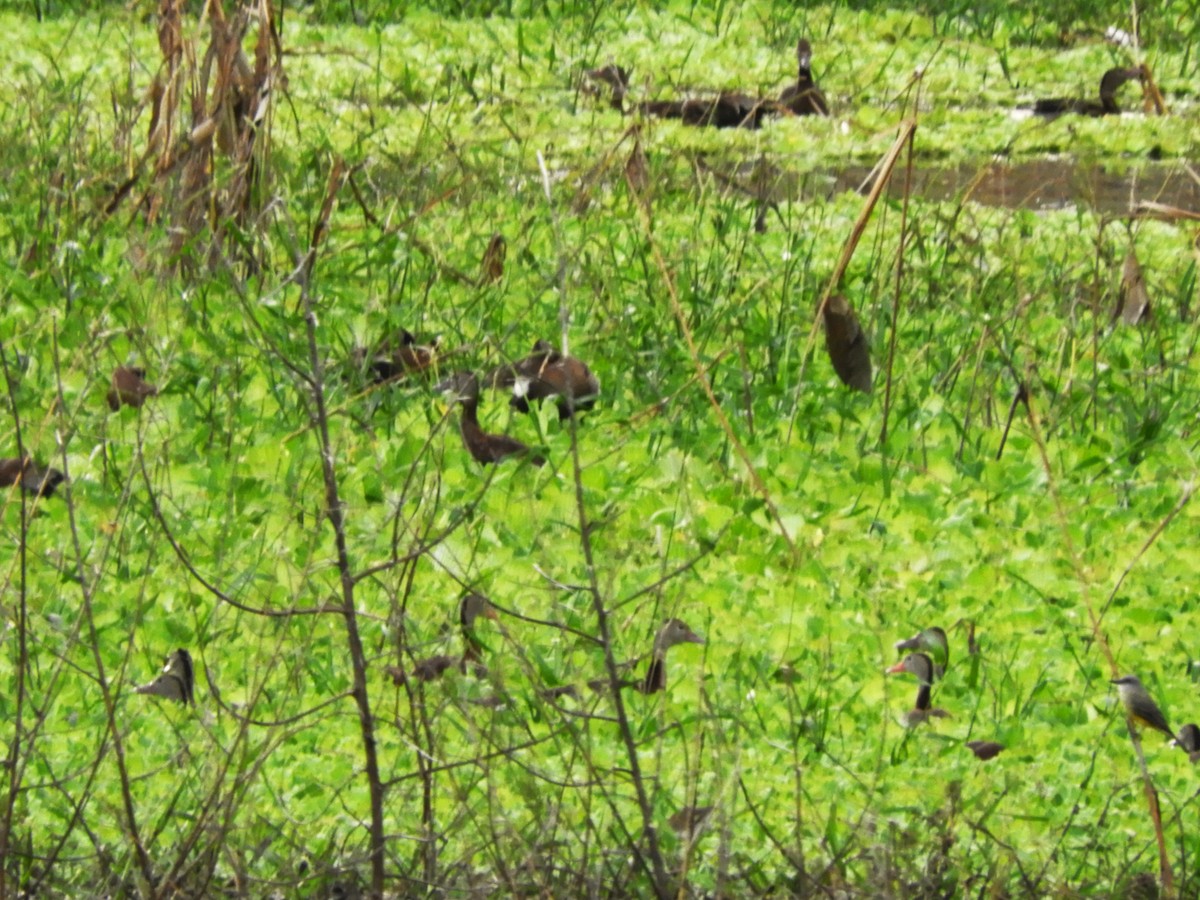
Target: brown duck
{"points": [[1107, 106], [463, 387], [547, 373], [129, 388], [804, 98], [33, 479], [470, 608]]}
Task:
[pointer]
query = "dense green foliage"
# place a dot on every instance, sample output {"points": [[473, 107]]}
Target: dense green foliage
{"points": [[783, 720]]}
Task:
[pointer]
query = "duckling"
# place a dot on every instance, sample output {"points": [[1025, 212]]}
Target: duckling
{"points": [[804, 98], [1109, 83], [129, 388], [176, 681], [463, 387], [547, 373], [397, 356], [32, 478], [431, 668], [932, 641]]}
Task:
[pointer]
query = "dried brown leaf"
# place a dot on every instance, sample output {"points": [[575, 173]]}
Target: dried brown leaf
{"points": [[491, 269], [847, 344], [1133, 303]]}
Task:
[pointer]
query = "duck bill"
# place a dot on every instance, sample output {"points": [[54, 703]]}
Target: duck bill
{"points": [[897, 669]]}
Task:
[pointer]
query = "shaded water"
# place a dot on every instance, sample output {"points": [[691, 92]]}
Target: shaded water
{"points": [[1032, 184]]}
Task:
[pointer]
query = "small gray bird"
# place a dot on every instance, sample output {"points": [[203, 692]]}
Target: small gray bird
{"points": [[1139, 706]]}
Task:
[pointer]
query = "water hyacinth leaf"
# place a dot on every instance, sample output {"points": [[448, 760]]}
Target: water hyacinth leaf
{"points": [[847, 344]]}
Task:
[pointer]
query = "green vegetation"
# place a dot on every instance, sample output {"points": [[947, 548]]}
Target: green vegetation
{"points": [[213, 517]]}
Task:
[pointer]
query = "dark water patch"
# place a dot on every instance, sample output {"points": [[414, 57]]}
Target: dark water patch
{"points": [[1041, 184]]}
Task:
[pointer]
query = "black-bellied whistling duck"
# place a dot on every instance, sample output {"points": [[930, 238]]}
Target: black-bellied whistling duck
{"points": [[728, 110], [431, 668], [804, 98], [176, 681], [1109, 83], [397, 356], [1189, 741], [129, 388], [920, 665], [1139, 706], [547, 373], [933, 642], [32, 478], [463, 388], [672, 633]]}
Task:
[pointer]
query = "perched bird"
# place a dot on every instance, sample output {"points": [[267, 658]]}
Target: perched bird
{"points": [[32, 478], [547, 373], [932, 641], [463, 387], [176, 681], [920, 665], [1189, 741], [129, 388], [985, 750], [690, 820], [1109, 83], [1139, 706], [397, 356], [804, 98], [470, 608]]}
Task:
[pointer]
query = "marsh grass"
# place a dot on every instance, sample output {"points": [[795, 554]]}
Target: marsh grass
{"points": [[299, 528]]}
